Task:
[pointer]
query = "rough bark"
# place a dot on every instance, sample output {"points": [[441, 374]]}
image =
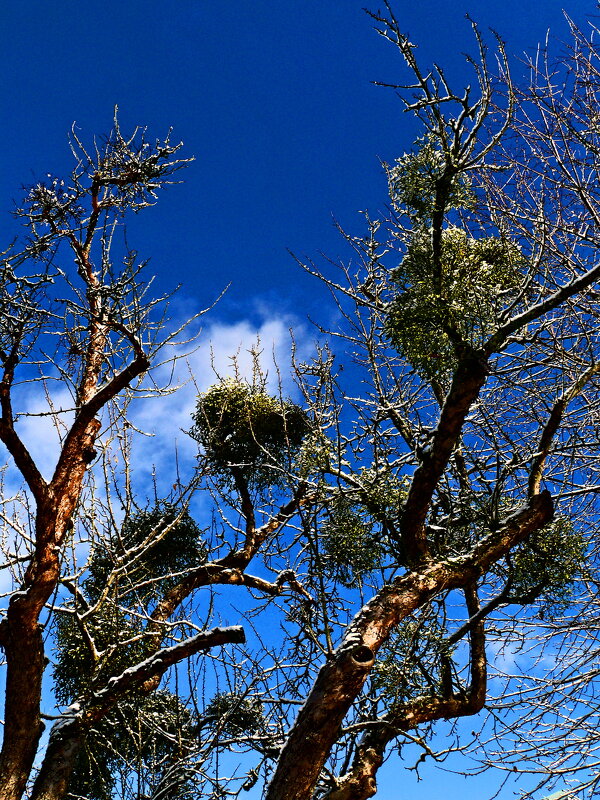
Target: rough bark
{"points": [[341, 678], [360, 783]]}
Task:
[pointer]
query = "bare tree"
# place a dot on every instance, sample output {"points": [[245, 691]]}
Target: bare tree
{"points": [[109, 575], [430, 498], [468, 462], [551, 201], [93, 331]]}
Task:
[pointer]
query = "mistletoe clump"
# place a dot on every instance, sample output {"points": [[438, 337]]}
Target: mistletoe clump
{"points": [[235, 714], [546, 566], [157, 544], [351, 545], [411, 662], [457, 299], [414, 179], [79, 667], [245, 431], [105, 639], [155, 731], [355, 534]]}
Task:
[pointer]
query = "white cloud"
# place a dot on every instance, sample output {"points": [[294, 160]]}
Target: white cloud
{"points": [[225, 350]]}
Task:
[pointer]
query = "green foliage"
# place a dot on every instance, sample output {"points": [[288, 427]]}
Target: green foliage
{"points": [[316, 455], [409, 663], [235, 714], [350, 543], [413, 179], [169, 542], [150, 732], [454, 531], [461, 297], [241, 426], [544, 568], [76, 671], [354, 535], [456, 295], [547, 565], [143, 728], [382, 493], [165, 540]]}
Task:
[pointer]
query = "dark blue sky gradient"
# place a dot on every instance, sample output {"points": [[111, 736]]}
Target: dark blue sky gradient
{"points": [[272, 98], [275, 101]]}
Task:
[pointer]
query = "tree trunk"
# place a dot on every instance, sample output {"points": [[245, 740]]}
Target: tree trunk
{"points": [[303, 756], [53, 779], [23, 726]]}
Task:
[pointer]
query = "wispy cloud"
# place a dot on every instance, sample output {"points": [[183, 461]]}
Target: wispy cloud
{"points": [[224, 351]]}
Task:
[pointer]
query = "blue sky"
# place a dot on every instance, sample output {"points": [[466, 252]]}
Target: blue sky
{"points": [[272, 98], [275, 101]]}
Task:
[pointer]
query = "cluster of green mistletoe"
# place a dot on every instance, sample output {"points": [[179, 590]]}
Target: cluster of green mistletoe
{"points": [[456, 295], [143, 729], [410, 663], [143, 560], [546, 566], [118, 641], [354, 535], [460, 299], [543, 569], [242, 428], [164, 542], [414, 178], [236, 715], [149, 734], [157, 545]]}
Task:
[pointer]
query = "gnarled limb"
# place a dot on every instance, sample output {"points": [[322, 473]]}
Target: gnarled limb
{"points": [[342, 677], [360, 782]]}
